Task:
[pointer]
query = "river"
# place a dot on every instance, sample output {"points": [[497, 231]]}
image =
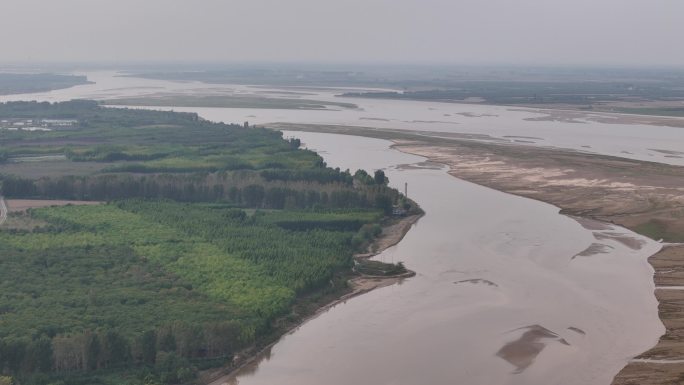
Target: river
{"points": [[501, 295], [494, 123], [507, 290]]}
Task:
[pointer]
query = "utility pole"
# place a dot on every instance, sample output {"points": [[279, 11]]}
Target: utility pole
{"points": [[406, 189]]}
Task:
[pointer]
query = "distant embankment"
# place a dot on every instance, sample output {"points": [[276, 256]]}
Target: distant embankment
{"points": [[30, 83]]}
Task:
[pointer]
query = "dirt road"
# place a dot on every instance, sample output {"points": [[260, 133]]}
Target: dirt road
{"points": [[3, 210]]}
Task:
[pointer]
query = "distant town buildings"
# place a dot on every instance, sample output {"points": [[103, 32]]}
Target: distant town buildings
{"points": [[37, 124]]}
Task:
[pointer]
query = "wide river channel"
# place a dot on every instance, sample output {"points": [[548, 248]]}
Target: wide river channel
{"points": [[507, 291]]}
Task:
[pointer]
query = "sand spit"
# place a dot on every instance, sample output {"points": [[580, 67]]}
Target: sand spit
{"points": [[392, 233], [477, 281], [522, 352], [562, 113], [594, 249]]}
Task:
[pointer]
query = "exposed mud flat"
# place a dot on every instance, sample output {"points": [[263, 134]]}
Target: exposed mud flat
{"points": [[477, 281], [522, 352], [593, 249], [564, 113]]}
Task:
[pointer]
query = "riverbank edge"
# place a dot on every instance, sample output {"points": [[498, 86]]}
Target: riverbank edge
{"points": [[635, 372], [662, 363], [357, 284]]}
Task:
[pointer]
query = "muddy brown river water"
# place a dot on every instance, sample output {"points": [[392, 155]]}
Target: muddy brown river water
{"points": [[507, 292]]}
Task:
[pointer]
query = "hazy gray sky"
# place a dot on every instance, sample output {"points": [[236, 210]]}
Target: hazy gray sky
{"points": [[630, 32]]}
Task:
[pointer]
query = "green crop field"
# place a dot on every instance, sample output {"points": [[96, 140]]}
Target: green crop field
{"points": [[209, 236]]}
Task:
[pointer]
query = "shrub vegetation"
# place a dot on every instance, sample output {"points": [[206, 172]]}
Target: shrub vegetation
{"points": [[210, 234]]}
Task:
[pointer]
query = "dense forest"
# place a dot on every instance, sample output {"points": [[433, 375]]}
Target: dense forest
{"points": [[156, 154], [211, 234]]}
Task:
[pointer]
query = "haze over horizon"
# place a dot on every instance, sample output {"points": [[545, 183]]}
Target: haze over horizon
{"points": [[539, 32]]}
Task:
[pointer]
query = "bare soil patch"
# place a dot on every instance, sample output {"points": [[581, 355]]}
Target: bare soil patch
{"points": [[18, 205]]}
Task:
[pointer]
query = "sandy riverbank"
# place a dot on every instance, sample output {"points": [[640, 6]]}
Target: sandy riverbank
{"points": [[393, 233], [645, 197], [664, 363]]}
